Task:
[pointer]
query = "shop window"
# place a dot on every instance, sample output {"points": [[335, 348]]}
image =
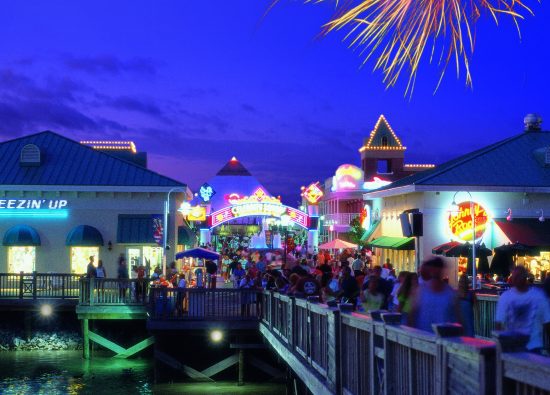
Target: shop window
{"points": [[21, 259], [80, 256]]}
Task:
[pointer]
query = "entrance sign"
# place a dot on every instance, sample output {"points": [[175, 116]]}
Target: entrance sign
{"points": [[460, 221], [313, 193]]}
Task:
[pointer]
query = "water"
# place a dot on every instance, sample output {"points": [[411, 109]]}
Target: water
{"points": [[65, 372]]}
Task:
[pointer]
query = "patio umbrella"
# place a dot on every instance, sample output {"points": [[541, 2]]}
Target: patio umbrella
{"points": [[483, 265], [198, 253], [465, 250], [517, 249], [502, 263], [337, 244], [441, 249]]}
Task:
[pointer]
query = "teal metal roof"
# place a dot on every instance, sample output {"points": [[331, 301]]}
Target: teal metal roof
{"points": [[84, 236], [517, 161], [67, 162], [22, 236]]}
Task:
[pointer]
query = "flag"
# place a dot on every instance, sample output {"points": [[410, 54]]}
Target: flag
{"points": [[158, 229]]}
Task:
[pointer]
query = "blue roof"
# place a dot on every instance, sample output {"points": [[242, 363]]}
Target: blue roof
{"points": [[67, 162], [518, 161]]}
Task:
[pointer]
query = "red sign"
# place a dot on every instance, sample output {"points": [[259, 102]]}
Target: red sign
{"points": [[460, 221]]}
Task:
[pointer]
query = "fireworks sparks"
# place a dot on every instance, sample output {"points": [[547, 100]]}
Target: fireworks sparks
{"points": [[397, 34]]}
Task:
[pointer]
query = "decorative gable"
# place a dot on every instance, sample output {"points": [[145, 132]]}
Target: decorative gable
{"points": [[382, 137]]}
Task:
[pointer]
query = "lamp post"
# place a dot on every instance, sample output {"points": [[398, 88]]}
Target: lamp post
{"points": [[472, 213], [165, 224], [285, 220]]}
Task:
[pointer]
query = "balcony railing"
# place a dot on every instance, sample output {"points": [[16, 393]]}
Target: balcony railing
{"points": [[343, 219], [39, 285]]}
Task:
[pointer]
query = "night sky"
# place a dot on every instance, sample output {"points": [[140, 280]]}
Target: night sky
{"points": [[194, 82]]}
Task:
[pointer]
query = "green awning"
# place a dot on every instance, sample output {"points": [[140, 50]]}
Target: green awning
{"points": [[186, 236], [369, 232], [135, 229], [394, 243], [84, 236], [21, 236]]}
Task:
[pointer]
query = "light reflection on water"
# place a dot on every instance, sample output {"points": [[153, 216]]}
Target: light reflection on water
{"points": [[66, 372]]}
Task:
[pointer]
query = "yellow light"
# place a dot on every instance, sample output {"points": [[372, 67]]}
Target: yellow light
{"points": [[46, 310], [216, 336]]}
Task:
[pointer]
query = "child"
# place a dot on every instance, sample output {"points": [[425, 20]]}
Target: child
{"points": [[372, 300]]}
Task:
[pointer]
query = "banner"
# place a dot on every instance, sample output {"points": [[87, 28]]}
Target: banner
{"points": [[158, 228]]}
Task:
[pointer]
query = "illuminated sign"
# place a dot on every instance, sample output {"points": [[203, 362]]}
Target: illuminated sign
{"points": [[259, 196], [460, 221], [366, 217], [375, 183], [258, 209], [197, 213], [32, 204], [347, 177], [206, 192], [312, 193]]}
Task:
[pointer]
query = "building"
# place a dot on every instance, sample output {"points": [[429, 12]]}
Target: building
{"points": [[382, 161], [62, 202], [508, 186]]}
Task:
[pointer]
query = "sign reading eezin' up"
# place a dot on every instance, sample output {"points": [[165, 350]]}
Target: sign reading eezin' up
{"points": [[32, 204]]}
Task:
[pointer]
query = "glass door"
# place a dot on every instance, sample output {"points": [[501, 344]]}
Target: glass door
{"points": [[134, 258]]}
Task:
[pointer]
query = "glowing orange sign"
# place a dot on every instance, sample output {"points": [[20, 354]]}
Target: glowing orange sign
{"points": [[347, 177], [312, 193], [460, 222], [259, 196]]}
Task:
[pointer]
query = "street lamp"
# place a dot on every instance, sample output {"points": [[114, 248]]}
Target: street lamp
{"points": [[165, 224], [472, 213]]}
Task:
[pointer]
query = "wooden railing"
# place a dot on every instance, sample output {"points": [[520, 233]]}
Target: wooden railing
{"points": [[204, 304], [113, 291], [39, 285], [350, 353], [484, 315]]}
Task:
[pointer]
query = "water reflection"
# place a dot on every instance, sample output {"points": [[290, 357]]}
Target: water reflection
{"points": [[65, 372]]}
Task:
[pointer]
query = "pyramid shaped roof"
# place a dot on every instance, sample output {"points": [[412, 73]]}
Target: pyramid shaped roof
{"points": [[233, 179], [382, 137]]}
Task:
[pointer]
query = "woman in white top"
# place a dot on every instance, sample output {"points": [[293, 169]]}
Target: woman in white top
{"points": [[101, 274]]}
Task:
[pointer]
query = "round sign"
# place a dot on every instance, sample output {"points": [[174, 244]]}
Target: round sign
{"points": [[460, 221]]}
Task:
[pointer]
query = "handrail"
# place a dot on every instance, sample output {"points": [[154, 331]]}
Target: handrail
{"points": [[352, 353], [113, 291], [39, 285]]}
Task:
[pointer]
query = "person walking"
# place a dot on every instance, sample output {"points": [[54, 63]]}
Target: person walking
{"points": [[101, 274], [122, 275], [466, 301], [523, 309]]}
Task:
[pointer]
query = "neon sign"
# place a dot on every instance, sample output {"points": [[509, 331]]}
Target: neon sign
{"points": [[258, 209], [460, 221], [375, 183], [312, 193], [347, 177], [259, 196], [197, 213], [206, 192], [32, 204], [366, 217]]}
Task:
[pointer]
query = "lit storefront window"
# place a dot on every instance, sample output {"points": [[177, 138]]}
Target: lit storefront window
{"points": [[80, 256], [21, 259], [153, 255]]}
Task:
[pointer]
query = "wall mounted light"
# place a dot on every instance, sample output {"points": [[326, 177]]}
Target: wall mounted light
{"points": [[509, 216], [541, 218], [110, 245]]}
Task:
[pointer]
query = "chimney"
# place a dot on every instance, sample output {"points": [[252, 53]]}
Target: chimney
{"points": [[533, 123]]}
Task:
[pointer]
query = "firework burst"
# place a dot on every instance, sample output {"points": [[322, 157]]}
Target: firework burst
{"points": [[398, 34]]}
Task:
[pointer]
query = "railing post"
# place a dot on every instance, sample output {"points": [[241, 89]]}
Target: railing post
{"points": [[292, 318], [507, 342], [334, 350], [63, 276], [21, 285], [91, 286], [34, 284], [389, 319]]}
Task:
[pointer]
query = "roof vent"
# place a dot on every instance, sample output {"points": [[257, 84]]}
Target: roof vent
{"points": [[533, 123], [30, 155]]}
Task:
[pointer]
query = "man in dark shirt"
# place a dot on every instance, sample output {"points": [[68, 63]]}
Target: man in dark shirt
{"points": [[91, 271], [348, 287], [308, 286]]}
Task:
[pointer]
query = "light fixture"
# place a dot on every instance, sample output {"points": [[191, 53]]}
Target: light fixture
{"points": [[46, 310], [110, 245], [185, 208], [541, 218], [509, 216], [216, 336]]}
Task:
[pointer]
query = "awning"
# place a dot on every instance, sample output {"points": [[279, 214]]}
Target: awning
{"points": [[135, 229], [84, 236], [21, 236], [370, 232], [441, 249], [185, 236], [528, 231], [394, 243]]}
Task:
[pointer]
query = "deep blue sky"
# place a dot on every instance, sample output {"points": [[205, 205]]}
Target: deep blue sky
{"points": [[194, 82]]}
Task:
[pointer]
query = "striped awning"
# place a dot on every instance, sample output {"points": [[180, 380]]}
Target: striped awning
{"points": [[393, 243], [22, 236], [443, 248], [84, 236]]}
